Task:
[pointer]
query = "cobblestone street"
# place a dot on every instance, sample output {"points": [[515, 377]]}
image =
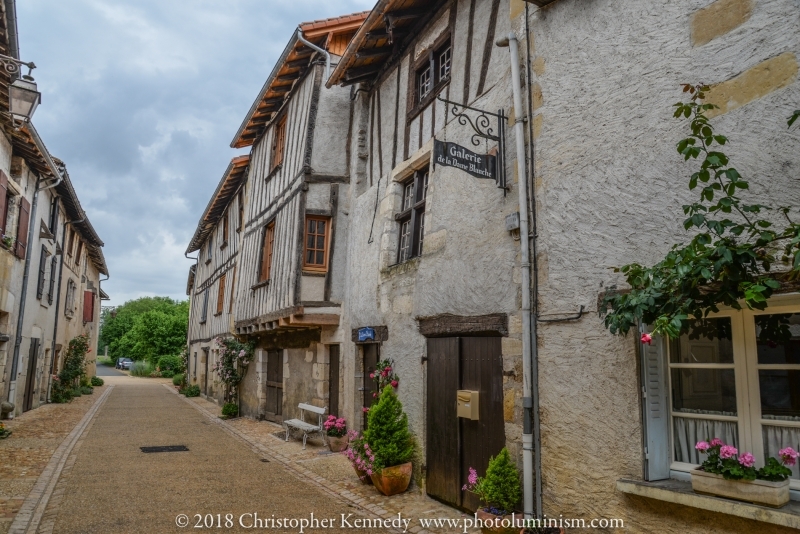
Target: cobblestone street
{"points": [[78, 468]]}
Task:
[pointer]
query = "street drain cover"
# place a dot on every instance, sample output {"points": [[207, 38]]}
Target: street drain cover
{"points": [[165, 448], [265, 460]]}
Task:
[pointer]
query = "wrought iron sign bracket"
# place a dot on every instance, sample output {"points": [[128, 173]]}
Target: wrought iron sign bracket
{"points": [[481, 123]]}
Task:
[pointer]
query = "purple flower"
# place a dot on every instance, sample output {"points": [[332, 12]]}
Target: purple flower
{"points": [[728, 451], [473, 477], [716, 442], [702, 446], [747, 459]]}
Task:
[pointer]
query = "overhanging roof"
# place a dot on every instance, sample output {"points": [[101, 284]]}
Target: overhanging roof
{"points": [[329, 34], [384, 33], [234, 175]]}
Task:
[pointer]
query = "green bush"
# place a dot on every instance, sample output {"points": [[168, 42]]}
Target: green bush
{"points": [[177, 379], [84, 381], [76, 392], [87, 390], [167, 374], [230, 409], [500, 486], [59, 393], [97, 381], [141, 369], [192, 391], [387, 432], [174, 364]]}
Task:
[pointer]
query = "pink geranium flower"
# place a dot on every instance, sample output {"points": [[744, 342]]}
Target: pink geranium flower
{"points": [[364, 409], [789, 456], [728, 451], [747, 459], [702, 446], [647, 338], [716, 442]]}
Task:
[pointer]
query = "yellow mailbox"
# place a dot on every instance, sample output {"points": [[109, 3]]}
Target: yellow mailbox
{"points": [[468, 404]]}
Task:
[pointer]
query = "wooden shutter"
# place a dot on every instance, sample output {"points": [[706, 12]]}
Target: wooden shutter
{"points": [[88, 306], [221, 294], [42, 270], [3, 201], [233, 289], [266, 252], [53, 271], [278, 142], [655, 405], [22, 228], [54, 216]]}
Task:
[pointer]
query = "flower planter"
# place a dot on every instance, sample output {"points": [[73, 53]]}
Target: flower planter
{"points": [[493, 524], [363, 476], [774, 494], [393, 480], [338, 444]]}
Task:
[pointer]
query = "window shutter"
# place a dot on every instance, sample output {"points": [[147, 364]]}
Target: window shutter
{"points": [[88, 306], [3, 201], [655, 404], [22, 228], [42, 270], [53, 270], [205, 306], [54, 216]]}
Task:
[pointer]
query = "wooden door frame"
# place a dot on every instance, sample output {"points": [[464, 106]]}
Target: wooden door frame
{"points": [[30, 379], [277, 416]]}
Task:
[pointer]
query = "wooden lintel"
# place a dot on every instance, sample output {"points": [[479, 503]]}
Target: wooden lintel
{"points": [[446, 324]]}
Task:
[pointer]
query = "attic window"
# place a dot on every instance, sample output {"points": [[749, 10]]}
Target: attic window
{"points": [[433, 69]]}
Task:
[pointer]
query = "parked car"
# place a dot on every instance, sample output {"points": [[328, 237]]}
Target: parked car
{"points": [[124, 363]]}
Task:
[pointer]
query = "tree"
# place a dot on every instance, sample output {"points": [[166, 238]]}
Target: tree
{"points": [[387, 432], [735, 255], [141, 328]]}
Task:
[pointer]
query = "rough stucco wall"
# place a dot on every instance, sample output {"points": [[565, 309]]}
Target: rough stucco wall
{"points": [[249, 401], [609, 188], [305, 379], [333, 114]]}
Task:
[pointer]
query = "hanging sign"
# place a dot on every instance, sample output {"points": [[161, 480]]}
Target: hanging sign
{"points": [[453, 155], [366, 334]]}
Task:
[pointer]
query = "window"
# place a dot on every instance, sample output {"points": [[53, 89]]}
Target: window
{"points": [[278, 142], [315, 254], [221, 294], [71, 242], [233, 285], [735, 377], [53, 216], [69, 301], [412, 216], [240, 202], [80, 253], [53, 271], [267, 242], [434, 70], [42, 271], [224, 230], [209, 248], [5, 202], [88, 306], [204, 315]]}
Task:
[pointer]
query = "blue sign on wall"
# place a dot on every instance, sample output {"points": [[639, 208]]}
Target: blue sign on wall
{"points": [[366, 334]]}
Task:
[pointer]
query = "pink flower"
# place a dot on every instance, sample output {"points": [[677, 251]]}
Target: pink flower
{"points": [[727, 451], [364, 409], [389, 369], [747, 459], [473, 477], [647, 338], [394, 383], [372, 375], [716, 442], [788, 456], [702, 446]]}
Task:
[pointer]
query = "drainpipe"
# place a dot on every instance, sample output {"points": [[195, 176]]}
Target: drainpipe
{"points": [[529, 353], [318, 49], [58, 303]]}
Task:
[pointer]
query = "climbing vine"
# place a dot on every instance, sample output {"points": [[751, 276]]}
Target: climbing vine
{"points": [[231, 366], [735, 256], [74, 368]]}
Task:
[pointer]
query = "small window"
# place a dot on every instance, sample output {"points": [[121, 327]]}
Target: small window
{"points": [[69, 301], [412, 216], [266, 252], [224, 229], [278, 142], [233, 285], [240, 222], [53, 225], [204, 314], [53, 271], [209, 251], [434, 71], [71, 242], [443, 59], [221, 294], [315, 256], [424, 82], [78, 255]]}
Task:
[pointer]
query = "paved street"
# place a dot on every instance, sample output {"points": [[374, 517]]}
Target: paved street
{"points": [[105, 370], [114, 487]]}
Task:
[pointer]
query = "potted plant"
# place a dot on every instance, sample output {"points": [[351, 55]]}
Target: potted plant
{"points": [[360, 456], [336, 429], [4, 432], [390, 444], [499, 491], [729, 474]]}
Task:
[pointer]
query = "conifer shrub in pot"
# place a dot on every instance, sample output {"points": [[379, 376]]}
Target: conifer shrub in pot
{"points": [[390, 444], [500, 492]]}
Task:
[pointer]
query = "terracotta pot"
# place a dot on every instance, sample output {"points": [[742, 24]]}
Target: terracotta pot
{"points": [[495, 523], [393, 480], [338, 444], [363, 476], [560, 531], [774, 494]]}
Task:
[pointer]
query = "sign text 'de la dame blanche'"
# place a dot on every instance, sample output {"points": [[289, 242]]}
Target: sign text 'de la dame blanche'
{"points": [[453, 155]]}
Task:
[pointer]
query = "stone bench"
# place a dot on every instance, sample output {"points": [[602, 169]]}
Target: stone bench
{"points": [[306, 428]]}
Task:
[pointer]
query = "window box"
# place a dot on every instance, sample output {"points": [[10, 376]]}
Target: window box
{"points": [[775, 494]]}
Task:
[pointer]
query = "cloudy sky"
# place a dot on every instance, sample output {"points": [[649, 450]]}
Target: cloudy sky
{"points": [[141, 99]]}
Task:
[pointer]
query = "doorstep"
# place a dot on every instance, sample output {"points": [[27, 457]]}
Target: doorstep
{"points": [[680, 492]]}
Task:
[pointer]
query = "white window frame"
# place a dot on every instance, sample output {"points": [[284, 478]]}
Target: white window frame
{"points": [[746, 367]]}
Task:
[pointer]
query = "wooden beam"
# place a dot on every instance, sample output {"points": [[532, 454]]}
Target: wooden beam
{"points": [[404, 14], [374, 52], [360, 72], [297, 62], [449, 325]]}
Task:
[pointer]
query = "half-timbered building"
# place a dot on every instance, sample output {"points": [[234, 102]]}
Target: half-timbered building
{"points": [[212, 280], [436, 285], [293, 254]]}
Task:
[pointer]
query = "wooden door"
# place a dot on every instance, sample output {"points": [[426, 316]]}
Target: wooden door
{"points": [[30, 379], [333, 380], [205, 375], [372, 355], [455, 444], [274, 385]]}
